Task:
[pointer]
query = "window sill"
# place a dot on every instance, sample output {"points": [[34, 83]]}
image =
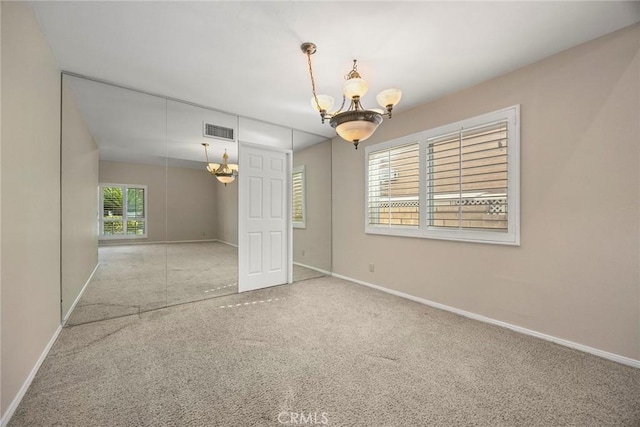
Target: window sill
{"points": [[496, 238]]}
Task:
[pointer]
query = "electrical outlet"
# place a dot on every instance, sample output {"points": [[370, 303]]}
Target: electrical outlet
{"points": [[371, 268]]}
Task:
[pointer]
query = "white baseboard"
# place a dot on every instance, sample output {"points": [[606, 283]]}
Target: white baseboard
{"points": [[160, 242], [319, 270], [104, 243], [581, 347], [191, 241], [226, 243], [25, 386], [73, 306]]}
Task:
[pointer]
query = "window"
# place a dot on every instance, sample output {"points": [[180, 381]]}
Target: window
{"points": [[299, 201], [394, 186], [455, 182], [123, 211]]}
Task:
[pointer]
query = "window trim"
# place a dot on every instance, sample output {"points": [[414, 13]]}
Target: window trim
{"points": [[511, 236], [301, 169], [101, 221]]}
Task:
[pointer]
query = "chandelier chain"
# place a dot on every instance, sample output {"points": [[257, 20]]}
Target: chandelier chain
{"points": [[313, 81], [313, 89], [353, 74]]}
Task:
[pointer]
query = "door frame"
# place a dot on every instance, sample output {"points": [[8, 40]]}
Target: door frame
{"points": [[242, 208]]}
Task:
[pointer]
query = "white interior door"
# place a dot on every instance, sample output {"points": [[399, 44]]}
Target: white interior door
{"points": [[264, 224]]}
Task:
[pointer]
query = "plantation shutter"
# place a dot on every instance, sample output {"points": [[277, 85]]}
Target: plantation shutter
{"points": [[298, 196], [394, 187], [467, 178]]}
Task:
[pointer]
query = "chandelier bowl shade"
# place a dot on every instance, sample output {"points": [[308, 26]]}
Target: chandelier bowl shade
{"points": [[389, 97], [356, 126], [225, 179], [356, 87], [325, 102]]}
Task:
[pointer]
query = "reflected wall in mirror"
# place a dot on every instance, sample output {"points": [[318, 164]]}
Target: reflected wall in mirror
{"points": [[114, 216], [202, 212], [144, 223], [311, 206]]}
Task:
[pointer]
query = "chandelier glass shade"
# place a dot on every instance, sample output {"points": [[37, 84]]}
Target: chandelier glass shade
{"points": [[224, 172], [355, 124]]}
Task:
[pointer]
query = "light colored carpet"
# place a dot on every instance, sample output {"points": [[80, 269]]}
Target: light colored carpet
{"points": [[132, 279], [361, 357]]}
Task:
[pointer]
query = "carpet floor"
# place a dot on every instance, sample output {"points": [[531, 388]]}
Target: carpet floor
{"points": [[132, 279], [323, 351]]}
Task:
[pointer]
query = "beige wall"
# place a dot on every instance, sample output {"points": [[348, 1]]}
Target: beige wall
{"points": [[227, 212], [191, 205], [576, 274], [30, 193], [315, 239], [79, 201]]}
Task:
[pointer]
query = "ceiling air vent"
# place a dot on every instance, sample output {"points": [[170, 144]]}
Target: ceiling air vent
{"points": [[215, 131]]}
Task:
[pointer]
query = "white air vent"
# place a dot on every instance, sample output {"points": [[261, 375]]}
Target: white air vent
{"points": [[214, 131]]}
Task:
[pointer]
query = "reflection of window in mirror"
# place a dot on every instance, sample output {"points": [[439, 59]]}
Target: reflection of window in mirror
{"points": [[123, 211], [299, 202]]}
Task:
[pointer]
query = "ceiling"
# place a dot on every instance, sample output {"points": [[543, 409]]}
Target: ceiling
{"points": [[244, 57], [130, 126]]}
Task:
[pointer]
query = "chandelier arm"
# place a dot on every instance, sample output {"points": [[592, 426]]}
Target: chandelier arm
{"points": [[344, 99]]}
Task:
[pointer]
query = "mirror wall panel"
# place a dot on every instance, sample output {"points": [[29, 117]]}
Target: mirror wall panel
{"points": [[262, 133], [144, 224], [117, 220], [79, 183], [311, 206], [202, 213]]}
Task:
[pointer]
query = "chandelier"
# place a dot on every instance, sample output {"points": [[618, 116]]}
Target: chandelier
{"points": [[356, 123], [225, 172]]}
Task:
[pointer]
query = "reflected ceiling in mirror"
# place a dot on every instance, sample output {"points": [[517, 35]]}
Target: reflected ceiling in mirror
{"points": [[302, 140], [190, 126], [127, 126]]}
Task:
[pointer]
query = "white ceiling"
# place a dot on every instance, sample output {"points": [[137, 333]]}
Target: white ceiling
{"points": [[244, 57]]}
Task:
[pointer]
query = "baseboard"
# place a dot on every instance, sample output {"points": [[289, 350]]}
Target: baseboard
{"points": [[127, 243], [191, 241], [226, 243], [162, 242], [319, 270], [25, 386], [581, 347], [73, 306]]}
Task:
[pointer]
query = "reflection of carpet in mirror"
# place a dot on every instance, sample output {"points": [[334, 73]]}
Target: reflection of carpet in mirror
{"points": [[303, 273], [135, 278]]}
